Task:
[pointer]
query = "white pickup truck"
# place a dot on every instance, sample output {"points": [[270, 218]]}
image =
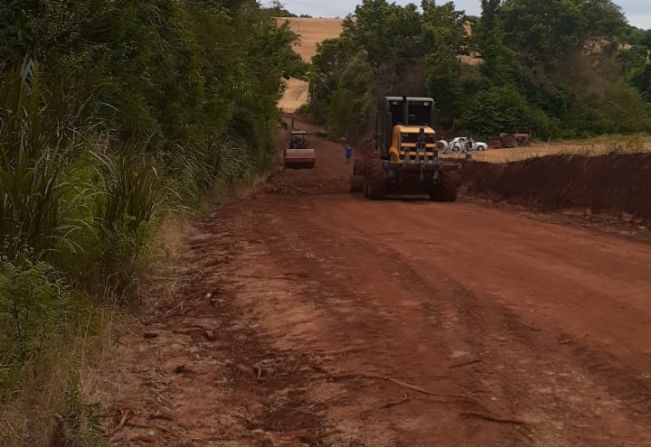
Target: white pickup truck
{"points": [[465, 144]]}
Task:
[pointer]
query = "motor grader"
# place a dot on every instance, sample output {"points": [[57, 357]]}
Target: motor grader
{"points": [[406, 156]]}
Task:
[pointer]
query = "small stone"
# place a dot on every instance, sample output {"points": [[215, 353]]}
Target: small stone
{"points": [[209, 335], [161, 416]]}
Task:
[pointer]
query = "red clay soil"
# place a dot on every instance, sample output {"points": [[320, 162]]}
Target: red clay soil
{"points": [[328, 320], [615, 183]]}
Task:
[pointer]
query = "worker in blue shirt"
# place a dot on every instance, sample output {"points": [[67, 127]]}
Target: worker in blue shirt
{"points": [[348, 152]]}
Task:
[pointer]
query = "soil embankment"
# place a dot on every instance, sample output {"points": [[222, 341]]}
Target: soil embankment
{"points": [[611, 184]]}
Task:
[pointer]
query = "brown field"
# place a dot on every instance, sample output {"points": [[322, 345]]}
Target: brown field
{"points": [[591, 148], [312, 32]]}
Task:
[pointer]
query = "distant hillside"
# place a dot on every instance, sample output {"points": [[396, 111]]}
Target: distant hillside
{"points": [[312, 32]]}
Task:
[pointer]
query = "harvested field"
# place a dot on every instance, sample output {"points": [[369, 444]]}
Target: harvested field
{"points": [[312, 32], [295, 95], [614, 183], [588, 148]]}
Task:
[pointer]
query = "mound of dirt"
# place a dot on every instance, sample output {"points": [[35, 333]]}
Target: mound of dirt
{"points": [[306, 181], [614, 183]]}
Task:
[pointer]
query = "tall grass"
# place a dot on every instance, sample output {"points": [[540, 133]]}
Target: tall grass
{"points": [[77, 213], [32, 145], [131, 195], [74, 220]]}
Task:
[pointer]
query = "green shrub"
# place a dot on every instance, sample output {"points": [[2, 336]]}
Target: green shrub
{"points": [[35, 307], [498, 109], [303, 110], [127, 203]]}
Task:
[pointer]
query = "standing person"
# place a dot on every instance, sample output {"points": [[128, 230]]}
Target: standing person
{"points": [[348, 152]]}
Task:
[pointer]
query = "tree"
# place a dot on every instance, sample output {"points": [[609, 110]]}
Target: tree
{"points": [[443, 38], [277, 9], [543, 31], [498, 109], [500, 62]]}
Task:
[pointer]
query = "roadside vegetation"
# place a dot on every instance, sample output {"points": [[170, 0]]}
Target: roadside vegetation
{"points": [[558, 69], [112, 116]]}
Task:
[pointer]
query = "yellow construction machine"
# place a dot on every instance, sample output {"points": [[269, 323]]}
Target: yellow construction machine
{"points": [[406, 156]]}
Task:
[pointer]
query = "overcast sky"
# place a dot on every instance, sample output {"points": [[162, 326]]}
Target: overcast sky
{"points": [[637, 11]]}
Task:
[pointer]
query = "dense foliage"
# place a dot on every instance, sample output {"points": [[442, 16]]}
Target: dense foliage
{"points": [[277, 9], [112, 112], [556, 68]]}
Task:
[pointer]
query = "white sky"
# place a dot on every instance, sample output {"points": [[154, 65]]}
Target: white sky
{"points": [[637, 11]]}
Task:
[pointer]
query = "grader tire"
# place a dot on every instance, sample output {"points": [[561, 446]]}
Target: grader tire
{"points": [[357, 183], [375, 183], [447, 187]]}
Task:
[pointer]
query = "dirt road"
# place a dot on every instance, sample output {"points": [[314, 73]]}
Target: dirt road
{"points": [[316, 318]]}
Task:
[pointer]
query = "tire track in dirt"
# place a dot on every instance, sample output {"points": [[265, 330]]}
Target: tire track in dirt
{"points": [[531, 342], [379, 324]]}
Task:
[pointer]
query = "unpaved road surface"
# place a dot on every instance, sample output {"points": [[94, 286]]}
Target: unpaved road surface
{"points": [[313, 317]]}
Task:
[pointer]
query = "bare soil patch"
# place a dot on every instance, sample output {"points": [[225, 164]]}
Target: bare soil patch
{"points": [[617, 184]]}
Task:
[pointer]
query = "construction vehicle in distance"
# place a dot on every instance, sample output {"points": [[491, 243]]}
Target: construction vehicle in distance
{"points": [[510, 141], [298, 153], [406, 156]]}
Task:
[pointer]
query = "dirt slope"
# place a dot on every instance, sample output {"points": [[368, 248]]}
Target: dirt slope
{"points": [[615, 183], [311, 32], [326, 320]]}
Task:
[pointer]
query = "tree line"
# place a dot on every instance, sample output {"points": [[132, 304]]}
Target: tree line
{"points": [[555, 68]]}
